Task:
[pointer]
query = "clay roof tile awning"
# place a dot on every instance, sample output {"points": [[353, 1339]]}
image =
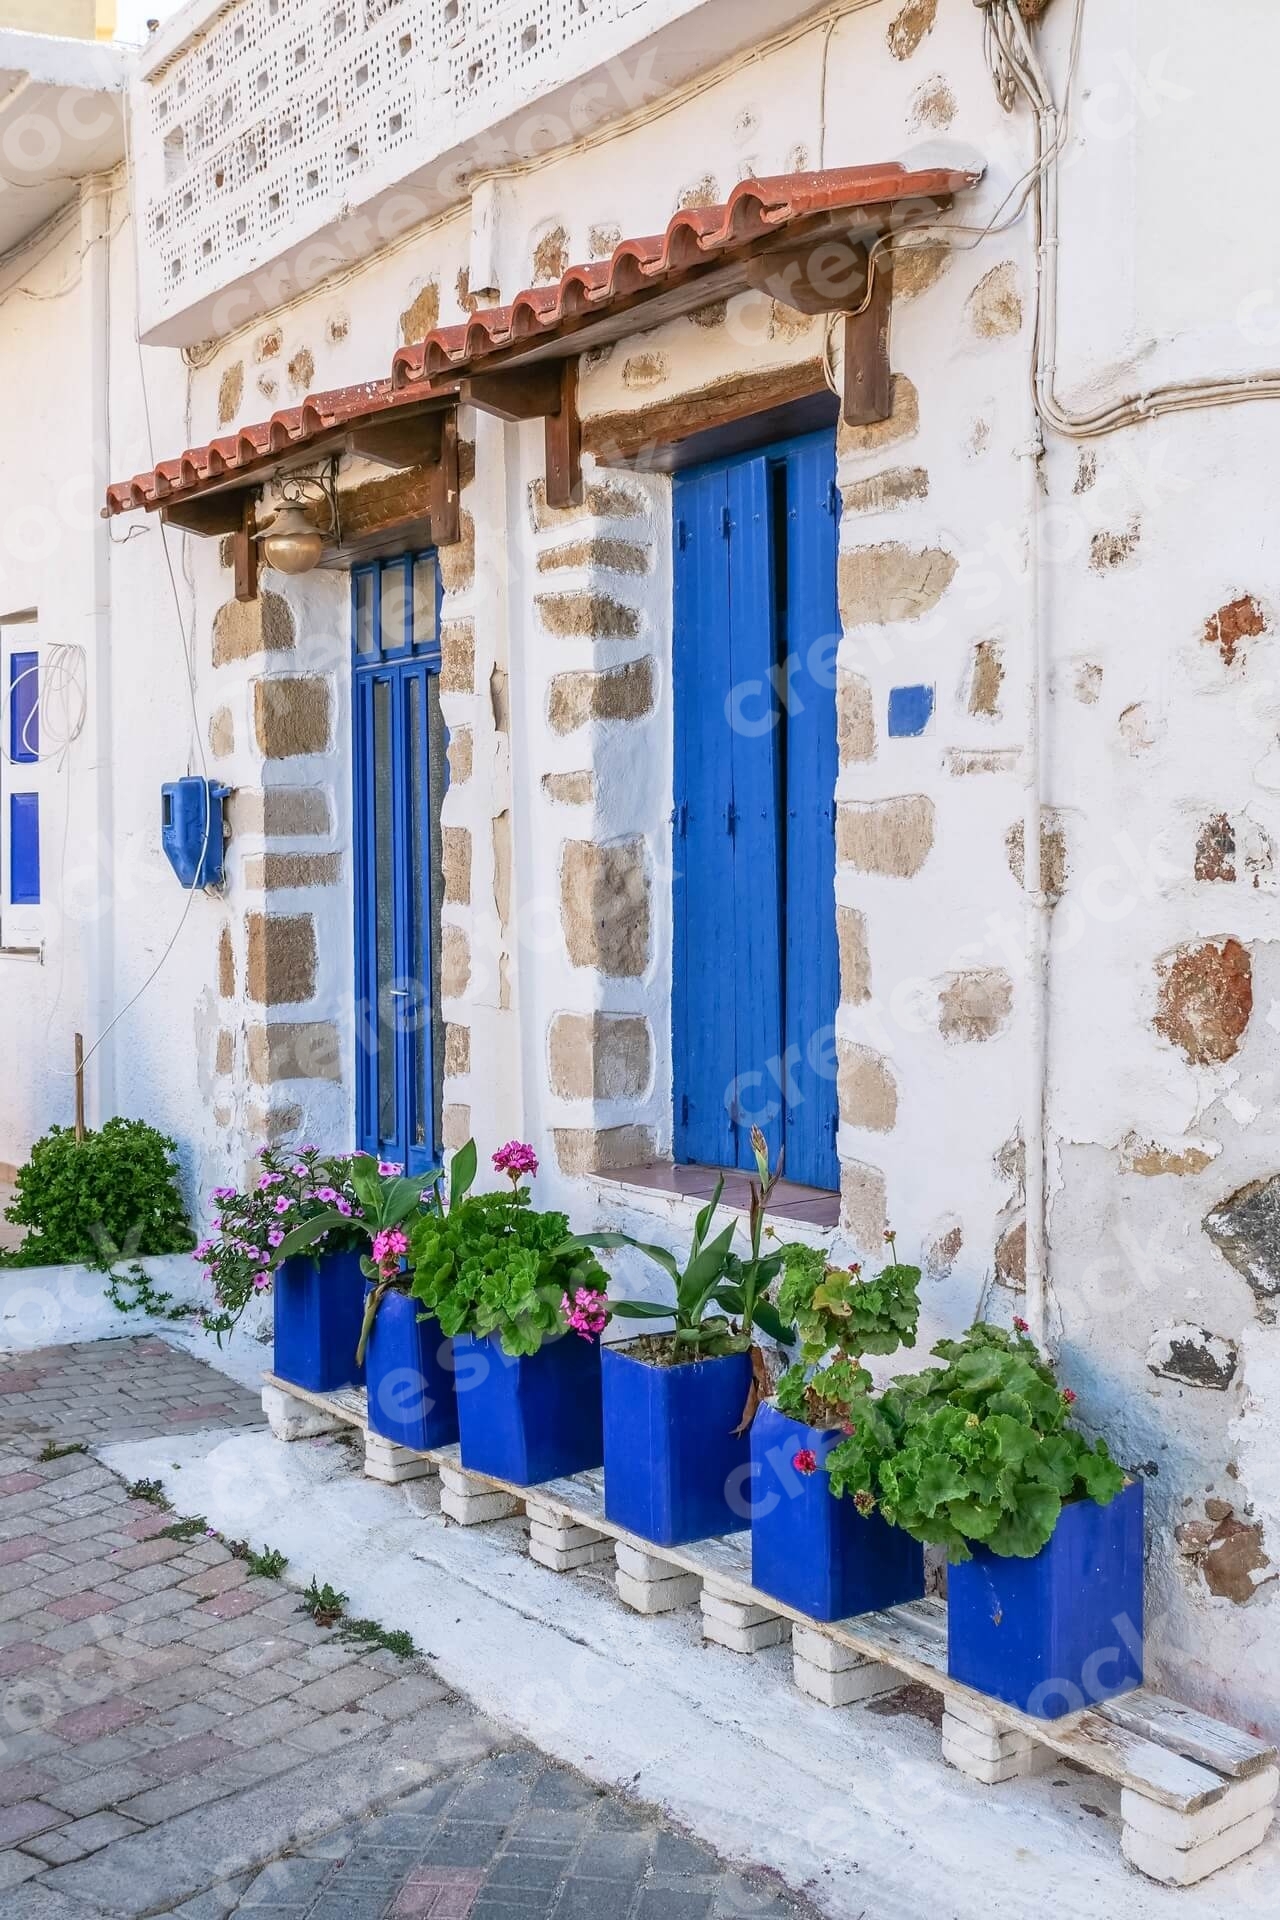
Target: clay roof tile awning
{"points": [[767, 235], [243, 457], [706, 254]]}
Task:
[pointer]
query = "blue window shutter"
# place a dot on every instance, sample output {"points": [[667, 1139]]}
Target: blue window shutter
{"points": [[704, 910], [813, 956], [24, 849], [757, 827], [24, 708]]}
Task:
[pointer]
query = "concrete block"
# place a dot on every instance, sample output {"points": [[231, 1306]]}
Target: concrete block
{"points": [[820, 1650], [1185, 1830], [846, 1687], [568, 1559], [1186, 1866], [734, 1613], [392, 1465], [291, 1419], [646, 1566], [657, 1596], [988, 1743], [472, 1501], [558, 1531], [771, 1632], [1017, 1764]]}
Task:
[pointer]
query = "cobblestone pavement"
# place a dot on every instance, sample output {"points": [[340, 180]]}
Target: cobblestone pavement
{"points": [[178, 1737]]}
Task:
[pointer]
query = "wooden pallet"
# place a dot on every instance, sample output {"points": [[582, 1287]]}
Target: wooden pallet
{"points": [[1196, 1793]]}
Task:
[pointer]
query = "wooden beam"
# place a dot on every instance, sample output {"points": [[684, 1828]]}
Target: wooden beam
{"points": [[564, 443], [245, 551], [868, 381], [827, 275], [209, 514], [446, 490], [529, 391], [410, 442]]}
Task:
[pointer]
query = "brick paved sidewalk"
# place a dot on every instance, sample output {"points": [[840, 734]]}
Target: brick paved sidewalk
{"points": [[176, 1736]]}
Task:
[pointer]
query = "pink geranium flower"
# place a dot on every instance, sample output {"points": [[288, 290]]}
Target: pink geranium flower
{"points": [[806, 1461], [389, 1167], [516, 1159], [389, 1247], [587, 1313]]}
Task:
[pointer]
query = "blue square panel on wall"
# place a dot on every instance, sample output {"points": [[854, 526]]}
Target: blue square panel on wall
{"points": [[910, 711]]}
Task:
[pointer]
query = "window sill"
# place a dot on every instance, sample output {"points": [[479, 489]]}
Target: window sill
{"points": [[802, 1206]]}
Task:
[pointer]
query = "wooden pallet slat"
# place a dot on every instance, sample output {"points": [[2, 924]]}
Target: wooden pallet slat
{"points": [[1194, 1735]]}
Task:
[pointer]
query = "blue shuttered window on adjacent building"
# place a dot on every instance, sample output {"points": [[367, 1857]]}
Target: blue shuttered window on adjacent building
{"points": [[755, 961], [24, 807], [400, 777]]}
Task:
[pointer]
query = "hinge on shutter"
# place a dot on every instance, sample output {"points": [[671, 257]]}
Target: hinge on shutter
{"points": [[684, 1110], [835, 1126], [833, 499], [731, 819], [726, 523], [680, 819], [682, 534]]}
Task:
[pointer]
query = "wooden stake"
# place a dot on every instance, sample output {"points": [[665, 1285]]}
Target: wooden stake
{"points": [[79, 1086]]}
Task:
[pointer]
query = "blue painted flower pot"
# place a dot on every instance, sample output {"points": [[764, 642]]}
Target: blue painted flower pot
{"points": [[530, 1419], [1060, 1631], [409, 1369], [817, 1552], [674, 1470], [319, 1309]]}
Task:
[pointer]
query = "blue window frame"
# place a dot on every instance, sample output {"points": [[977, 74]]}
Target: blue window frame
{"points": [[24, 808], [755, 954], [400, 779]]}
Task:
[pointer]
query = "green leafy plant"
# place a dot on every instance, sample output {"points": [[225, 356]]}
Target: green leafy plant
{"points": [[301, 1188], [190, 1529], [267, 1565], [840, 1317], [152, 1491], [976, 1451], [324, 1603], [135, 1292], [386, 1199], [52, 1451], [369, 1633], [113, 1195], [715, 1286], [489, 1263]]}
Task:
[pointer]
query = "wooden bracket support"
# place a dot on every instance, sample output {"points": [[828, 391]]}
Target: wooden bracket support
{"points": [[868, 378], [245, 551], [446, 487], [543, 390]]}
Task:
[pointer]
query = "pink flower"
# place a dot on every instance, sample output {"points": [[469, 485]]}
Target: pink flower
{"points": [[283, 1203], [274, 1236], [516, 1159], [224, 1193], [308, 1149], [261, 1281], [388, 1167], [1069, 1398], [587, 1313], [344, 1207], [269, 1180], [1020, 1326], [328, 1194], [300, 1172], [806, 1461], [388, 1247]]}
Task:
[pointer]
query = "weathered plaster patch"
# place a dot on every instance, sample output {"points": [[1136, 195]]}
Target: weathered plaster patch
{"points": [[933, 104], [910, 27], [903, 423], [1086, 682], [422, 315], [1245, 1228], [551, 256], [701, 193], [1216, 850], [584, 616], [886, 492], [884, 584], [615, 693], [1229, 1552], [994, 308], [1086, 472], [891, 837], [601, 241], [1151, 1160], [1194, 1357], [1205, 999], [1110, 550], [1241, 619], [942, 1250], [1142, 727], [976, 1005], [1054, 871], [302, 370], [917, 266], [855, 719], [570, 789], [230, 393], [644, 370], [986, 677], [863, 1205]]}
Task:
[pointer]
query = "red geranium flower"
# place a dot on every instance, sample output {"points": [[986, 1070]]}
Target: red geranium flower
{"points": [[806, 1461]]}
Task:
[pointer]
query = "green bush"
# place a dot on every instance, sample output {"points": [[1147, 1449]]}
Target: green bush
{"points": [[112, 1195]]}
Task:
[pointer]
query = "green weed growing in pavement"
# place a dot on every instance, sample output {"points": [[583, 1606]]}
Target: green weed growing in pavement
{"points": [[185, 1529], [267, 1565], [152, 1491], [328, 1608], [52, 1451], [134, 1292]]}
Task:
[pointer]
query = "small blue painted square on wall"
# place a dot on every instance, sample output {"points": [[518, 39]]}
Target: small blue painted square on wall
{"points": [[910, 711]]}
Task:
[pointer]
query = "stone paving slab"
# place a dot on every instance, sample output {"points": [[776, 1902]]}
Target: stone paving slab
{"points": [[178, 1738]]}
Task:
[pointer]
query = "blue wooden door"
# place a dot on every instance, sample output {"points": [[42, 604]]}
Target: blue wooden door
{"points": [[755, 960], [399, 786]]}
